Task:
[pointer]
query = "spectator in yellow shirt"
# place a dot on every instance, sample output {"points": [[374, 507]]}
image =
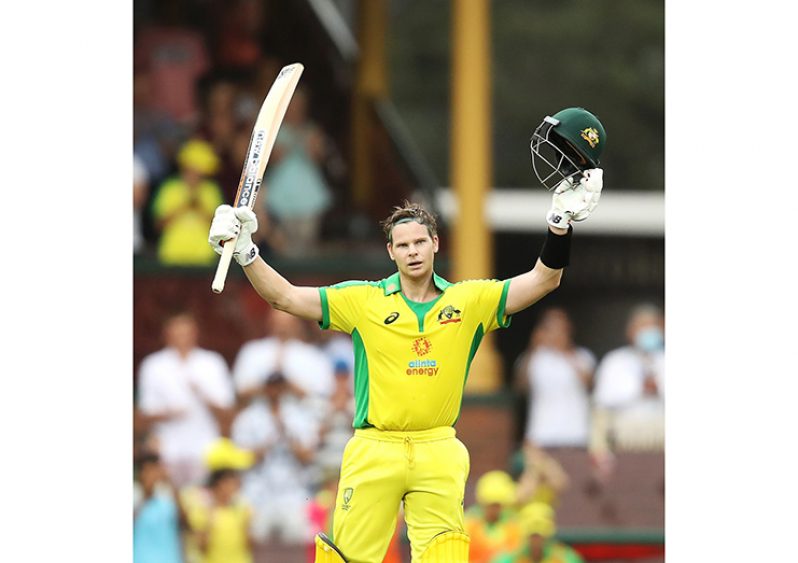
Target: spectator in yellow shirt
{"points": [[491, 522], [218, 517], [540, 545], [185, 203]]}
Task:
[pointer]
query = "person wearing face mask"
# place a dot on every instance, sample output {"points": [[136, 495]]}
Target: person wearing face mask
{"points": [[628, 399]]}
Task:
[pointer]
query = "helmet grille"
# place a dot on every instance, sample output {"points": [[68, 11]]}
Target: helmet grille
{"points": [[551, 160]]}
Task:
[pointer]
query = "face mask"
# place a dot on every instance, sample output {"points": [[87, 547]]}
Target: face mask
{"points": [[649, 339]]}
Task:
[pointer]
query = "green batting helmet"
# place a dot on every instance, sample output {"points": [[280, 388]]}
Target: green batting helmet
{"points": [[566, 144]]}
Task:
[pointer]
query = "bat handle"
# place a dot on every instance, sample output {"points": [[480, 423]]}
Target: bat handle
{"points": [[224, 264]]}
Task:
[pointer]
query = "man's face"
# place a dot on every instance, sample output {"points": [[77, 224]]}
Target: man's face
{"points": [[556, 328], [284, 326], [413, 250], [228, 487], [493, 511], [150, 474], [536, 545], [642, 322], [181, 333]]}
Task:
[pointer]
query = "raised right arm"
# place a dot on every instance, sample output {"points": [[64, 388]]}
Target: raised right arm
{"points": [[281, 294], [229, 222]]}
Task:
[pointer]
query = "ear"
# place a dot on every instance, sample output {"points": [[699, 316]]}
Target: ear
{"points": [[435, 244], [390, 251]]}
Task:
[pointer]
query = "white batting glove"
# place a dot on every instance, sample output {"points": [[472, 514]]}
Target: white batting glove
{"points": [[229, 222], [575, 202]]}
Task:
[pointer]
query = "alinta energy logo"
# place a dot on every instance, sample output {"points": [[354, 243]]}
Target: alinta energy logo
{"points": [[422, 347]]}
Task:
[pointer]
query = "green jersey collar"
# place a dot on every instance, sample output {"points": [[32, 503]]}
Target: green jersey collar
{"points": [[391, 284]]}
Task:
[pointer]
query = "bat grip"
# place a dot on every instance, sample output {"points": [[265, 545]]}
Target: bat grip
{"points": [[224, 264]]}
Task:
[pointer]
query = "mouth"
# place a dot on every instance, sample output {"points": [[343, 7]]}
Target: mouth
{"points": [[415, 264]]}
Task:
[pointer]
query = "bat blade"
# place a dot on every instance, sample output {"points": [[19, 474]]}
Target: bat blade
{"points": [[261, 143]]}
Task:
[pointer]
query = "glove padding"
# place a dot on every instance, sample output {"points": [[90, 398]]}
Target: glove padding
{"points": [[575, 202], [229, 222]]}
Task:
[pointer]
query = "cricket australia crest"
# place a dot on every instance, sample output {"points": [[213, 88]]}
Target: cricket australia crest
{"points": [[449, 315], [347, 496], [591, 136]]}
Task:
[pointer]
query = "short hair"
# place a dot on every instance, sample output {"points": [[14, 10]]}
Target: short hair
{"points": [[144, 459], [219, 475], [174, 315], [409, 212], [643, 310]]}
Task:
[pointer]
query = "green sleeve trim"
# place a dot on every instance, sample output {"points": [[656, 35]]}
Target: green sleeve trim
{"points": [[325, 309], [361, 382], [351, 283], [475, 342], [502, 319]]}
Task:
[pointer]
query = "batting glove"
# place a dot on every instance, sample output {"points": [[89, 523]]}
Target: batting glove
{"points": [[229, 222], [575, 202]]}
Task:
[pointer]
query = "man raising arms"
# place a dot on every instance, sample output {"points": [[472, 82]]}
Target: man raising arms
{"points": [[415, 335]]}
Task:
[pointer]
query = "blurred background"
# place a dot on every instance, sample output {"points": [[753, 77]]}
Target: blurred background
{"points": [[242, 412]]}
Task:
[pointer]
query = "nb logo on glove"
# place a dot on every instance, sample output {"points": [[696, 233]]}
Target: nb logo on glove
{"points": [[575, 202]]}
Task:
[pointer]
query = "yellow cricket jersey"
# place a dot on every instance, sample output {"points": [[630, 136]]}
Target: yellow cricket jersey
{"points": [[412, 359]]}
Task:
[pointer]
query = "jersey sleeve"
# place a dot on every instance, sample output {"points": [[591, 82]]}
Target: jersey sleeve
{"points": [[343, 304], [489, 299]]}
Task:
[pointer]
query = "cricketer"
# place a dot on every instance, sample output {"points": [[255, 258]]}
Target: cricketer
{"points": [[415, 335]]}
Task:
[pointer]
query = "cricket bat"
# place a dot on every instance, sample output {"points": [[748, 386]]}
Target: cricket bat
{"points": [[261, 144]]}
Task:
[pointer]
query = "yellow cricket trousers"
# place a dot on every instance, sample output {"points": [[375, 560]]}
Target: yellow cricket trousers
{"points": [[427, 469]]}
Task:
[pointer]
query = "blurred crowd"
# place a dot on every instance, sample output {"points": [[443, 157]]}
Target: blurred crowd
{"points": [[574, 401], [196, 93], [228, 457], [247, 453]]}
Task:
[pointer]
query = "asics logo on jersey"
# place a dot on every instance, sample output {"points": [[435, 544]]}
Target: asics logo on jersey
{"points": [[391, 318]]}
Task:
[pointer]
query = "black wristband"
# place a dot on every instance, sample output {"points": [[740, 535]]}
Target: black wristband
{"points": [[556, 249]]}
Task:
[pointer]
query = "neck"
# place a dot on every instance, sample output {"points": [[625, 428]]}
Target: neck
{"points": [[183, 352], [221, 499], [420, 291]]}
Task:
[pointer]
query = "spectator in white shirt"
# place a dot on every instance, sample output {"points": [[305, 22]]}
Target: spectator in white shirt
{"points": [[183, 391], [557, 375], [285, 435], [336, 422], [629, 393], [308, 371]]}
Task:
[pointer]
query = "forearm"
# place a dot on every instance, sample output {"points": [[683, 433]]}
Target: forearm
{"points": [[530, 287], [303, 302], [151, 418]]}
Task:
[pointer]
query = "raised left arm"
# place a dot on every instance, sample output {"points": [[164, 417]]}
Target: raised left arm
{"points": [[570, 202], [532, 286]]}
